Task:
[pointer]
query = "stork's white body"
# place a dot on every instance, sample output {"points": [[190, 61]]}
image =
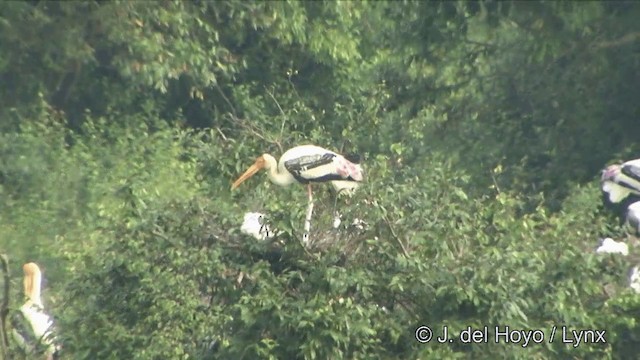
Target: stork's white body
{"points": [[635, 163], [41, 323], [305, 164], [634, 278], [633, 217], [33, 311]]}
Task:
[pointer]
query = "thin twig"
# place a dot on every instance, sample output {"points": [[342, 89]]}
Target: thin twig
{"points": [[4, 309], [221, 134], [284, 116], [245, 126], [626, 39], [226, 99], [480, 43], [252, 129], [293, 72], [159, 232], [394, 235], [495, 183]]}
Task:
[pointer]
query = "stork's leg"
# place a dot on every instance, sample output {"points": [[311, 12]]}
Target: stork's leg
{"points": [[307, 223], [307, 220], [336, 216]]}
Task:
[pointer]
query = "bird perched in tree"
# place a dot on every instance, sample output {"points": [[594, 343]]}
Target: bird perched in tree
{"points": [[610, 246], [254, 224], [632, 217], [304, 164], [634, 278], [620, 185], [620, 181], [33, 327]]}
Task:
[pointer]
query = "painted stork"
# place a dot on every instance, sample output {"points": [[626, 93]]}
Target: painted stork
{"points": [[620, 186], [634, 278], [254, 225], [304, 164], [36, 331], [632, 217], [620, 181], [610, 246]]}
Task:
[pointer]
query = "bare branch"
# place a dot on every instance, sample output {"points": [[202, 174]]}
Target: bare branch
{"points": [[221, 134], [626, 39], [256, 131], [251, 128], [284, 116], [394, 235], [4, 308], [226, 99], [480, 43], [495, 183], [289, 76]]}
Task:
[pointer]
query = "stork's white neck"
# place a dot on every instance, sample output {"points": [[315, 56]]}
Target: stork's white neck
{"points": [[280, 178], [32, 287]]}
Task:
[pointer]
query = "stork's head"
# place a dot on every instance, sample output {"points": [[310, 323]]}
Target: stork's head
{"points": [[610, 172], [32, 278], [261, 163]]}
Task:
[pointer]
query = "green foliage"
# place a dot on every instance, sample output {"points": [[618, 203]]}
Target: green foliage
{"points": [[482, 124]]}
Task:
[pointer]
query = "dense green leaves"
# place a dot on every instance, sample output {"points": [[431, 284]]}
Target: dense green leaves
{"points": [[483, 126]]}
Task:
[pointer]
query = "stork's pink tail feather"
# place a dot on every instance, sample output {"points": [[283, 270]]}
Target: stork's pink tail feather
{"points": [[347, 169]]}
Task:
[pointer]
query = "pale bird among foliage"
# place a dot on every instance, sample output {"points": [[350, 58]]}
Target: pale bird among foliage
{"points": [[38, 330], [254, 225], [610, 246], [634, 279], [620, 181]]}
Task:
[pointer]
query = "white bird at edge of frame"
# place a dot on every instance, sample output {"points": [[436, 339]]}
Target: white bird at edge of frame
{"points": [[38, 330], [618, 181], [305, 164], [634, 278], [620, 185]]}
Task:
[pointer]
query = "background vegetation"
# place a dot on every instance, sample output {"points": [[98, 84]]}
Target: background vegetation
{"points": [[483, 126]]}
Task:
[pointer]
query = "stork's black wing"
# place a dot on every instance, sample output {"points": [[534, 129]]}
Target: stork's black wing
{"points": [[301, 164], [631, 171]]}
